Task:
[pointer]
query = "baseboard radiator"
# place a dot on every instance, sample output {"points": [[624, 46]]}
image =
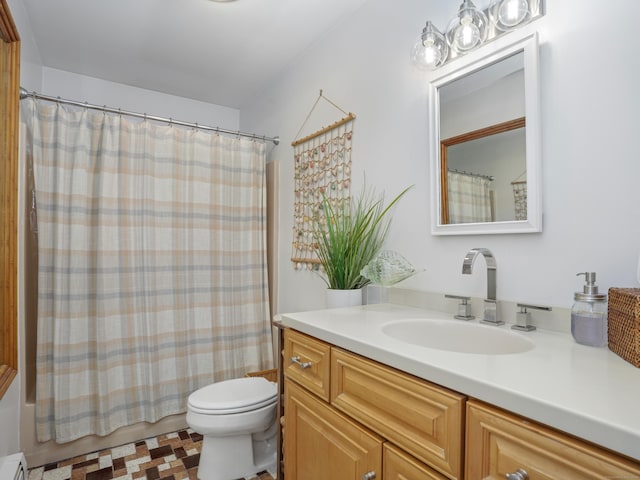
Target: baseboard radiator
{"points": [[13, 467]]}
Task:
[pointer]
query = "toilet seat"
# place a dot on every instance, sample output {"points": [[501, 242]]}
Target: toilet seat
{"points": [[233, 396]]}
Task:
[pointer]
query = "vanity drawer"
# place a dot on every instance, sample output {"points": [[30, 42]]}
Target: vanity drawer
{"points": [[423, 419], [307, 361], [499, 443]]}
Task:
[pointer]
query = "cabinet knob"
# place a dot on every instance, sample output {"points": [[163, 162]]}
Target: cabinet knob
{"points": [[519, 474], [369, 476], [302, 365]]}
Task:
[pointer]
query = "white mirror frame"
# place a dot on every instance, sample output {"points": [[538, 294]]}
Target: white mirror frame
{"points": [[514, 42]]}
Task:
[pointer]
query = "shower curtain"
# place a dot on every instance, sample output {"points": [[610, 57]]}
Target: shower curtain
{"points": [[469, 198], [152, 267]]}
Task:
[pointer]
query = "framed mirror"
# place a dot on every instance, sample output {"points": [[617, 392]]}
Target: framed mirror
{"points": [[485, 140]]}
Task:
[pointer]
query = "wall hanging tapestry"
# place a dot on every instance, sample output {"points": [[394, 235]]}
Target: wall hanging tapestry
{"points": [[520, 199], [322, 170]]}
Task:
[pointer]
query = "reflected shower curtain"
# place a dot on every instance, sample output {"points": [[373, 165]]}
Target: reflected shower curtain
{"points": [[469, 198], [152, 267]]}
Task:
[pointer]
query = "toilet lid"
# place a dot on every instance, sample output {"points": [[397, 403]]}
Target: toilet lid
{"points": [[233, 396]]}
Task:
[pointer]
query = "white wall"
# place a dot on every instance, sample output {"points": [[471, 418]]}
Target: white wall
{"points": [[72, 86], [30, 61], [590, 70]]}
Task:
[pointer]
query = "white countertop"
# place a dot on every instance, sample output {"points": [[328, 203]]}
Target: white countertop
{"points": [[588, 392]]}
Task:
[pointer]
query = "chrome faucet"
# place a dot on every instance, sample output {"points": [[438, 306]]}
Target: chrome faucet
{"points": [[490, 315]]}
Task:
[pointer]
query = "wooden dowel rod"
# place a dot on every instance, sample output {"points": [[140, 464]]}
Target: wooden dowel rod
{"points": [[340, 122], [306, 260]]}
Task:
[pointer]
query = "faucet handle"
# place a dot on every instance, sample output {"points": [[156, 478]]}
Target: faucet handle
{"points": [[464, 307], [523, 318]]}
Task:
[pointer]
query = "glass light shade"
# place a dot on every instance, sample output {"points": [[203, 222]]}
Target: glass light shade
{"points": [[431, 50], [467, 30], [508, 14]]}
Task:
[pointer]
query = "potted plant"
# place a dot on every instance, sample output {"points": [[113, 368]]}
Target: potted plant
{"points": [[348, 236]]}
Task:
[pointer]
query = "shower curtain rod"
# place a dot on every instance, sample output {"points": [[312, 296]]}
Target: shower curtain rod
{"points": [[488, 177], [24, 94]]}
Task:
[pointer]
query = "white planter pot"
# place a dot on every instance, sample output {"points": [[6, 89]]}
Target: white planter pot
{"points": [[344, 298]]}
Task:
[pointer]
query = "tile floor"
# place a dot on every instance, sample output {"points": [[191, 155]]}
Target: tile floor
{"points": [[173, 456]]}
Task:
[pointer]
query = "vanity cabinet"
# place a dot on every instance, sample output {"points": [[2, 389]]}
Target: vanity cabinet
{"points": [[501, 443], [346, 417]]}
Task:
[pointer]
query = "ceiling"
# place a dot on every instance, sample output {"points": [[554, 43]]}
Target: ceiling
{"points": [[217, 52]]}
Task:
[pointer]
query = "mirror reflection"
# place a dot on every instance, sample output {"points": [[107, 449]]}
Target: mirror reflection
{"points": [[484, 175], [483, 151]]}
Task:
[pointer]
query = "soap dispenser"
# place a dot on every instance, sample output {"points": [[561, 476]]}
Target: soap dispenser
{"points": [[589, 314]]}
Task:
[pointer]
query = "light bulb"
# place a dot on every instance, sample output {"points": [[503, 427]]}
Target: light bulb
{"points": [[467, 34], [431, 56], [426, 57], [512, 12], [430, 51], [468, 29], [507, 14]]}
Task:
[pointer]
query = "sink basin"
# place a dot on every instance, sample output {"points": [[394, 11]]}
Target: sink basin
{"points": [[457, 336]]}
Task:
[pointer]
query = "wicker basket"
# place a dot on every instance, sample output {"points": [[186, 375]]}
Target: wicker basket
{"points": [[624, 323], [271, 375]]}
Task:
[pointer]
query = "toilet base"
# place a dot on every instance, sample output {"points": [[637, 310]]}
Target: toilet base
{"points": [[230, 458]]}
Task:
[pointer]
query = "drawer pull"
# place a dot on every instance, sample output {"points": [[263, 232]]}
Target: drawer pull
{"points": [[520, 474], [303, 365], [369, 476]]}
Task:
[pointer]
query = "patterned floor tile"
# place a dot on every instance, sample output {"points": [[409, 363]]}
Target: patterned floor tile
{"points": [[173, 456]]}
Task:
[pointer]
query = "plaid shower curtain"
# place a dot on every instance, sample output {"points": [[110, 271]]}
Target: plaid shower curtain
{"points": [[468, 197], [152, 267]]}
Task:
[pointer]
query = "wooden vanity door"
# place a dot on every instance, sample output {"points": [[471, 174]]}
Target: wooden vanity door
{"points": [[322, 444]]}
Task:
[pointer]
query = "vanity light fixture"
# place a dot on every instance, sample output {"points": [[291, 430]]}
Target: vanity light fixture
{"points": [[470, 28], [431, 49]]}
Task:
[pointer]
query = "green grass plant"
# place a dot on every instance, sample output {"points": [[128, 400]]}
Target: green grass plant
{"points": [[350, 235]]}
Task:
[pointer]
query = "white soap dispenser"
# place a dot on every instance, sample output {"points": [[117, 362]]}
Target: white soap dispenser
{"points": [[589, 314]]}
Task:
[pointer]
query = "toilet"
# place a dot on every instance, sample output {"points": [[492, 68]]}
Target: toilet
{"points": [[237, 420]]}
